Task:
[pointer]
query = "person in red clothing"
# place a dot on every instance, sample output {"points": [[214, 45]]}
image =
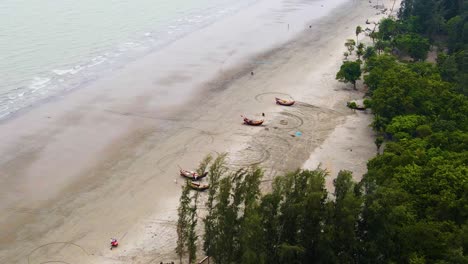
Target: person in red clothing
{"points": [[114, 243]]}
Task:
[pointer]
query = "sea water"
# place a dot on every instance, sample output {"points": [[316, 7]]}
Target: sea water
{"points": [[51, 46]]}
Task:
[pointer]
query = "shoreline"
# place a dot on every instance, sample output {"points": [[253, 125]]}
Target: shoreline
{"points": [[135, 174]]}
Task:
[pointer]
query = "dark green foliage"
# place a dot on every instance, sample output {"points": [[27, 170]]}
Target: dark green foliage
{"points": [[295, 223], [369, 52], [358, 31], [415, 202], [350, 44], [455, 29], [367, 103], [183, 221], [360, 50], [387, 29], [344, 220], [192, 237], [216, 171], [376, 66], [350, 71], [413, 45], [233, 220], [351, 105], [379, 141], [381, 45]]}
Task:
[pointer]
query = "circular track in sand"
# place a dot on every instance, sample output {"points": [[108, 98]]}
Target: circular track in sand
{"points": [[186, 159], [290, 121], [199, 141], [270, 97], [41, 251], [253, 154]]}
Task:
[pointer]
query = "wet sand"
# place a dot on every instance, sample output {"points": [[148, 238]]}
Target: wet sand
{"points": [[101, 163]]}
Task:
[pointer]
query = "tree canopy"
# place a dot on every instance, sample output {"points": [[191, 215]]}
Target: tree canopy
{"points": [[350, 71]]}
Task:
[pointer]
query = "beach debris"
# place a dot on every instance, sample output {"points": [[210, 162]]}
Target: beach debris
{"points": [[298, 134]]}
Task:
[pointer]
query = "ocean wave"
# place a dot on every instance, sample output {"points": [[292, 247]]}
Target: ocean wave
{"points": [[54, 81], [39, 83]]}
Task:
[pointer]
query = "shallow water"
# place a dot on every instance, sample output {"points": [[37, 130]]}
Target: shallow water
{"points": [[50, 46]]}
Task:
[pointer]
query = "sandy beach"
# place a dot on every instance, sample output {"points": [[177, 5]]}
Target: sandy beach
{"points": [[102, 161]]}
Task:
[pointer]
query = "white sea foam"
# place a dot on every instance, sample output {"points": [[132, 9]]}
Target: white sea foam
{"points": [[25, 91], [39, 83], [5, 114], [96, 61], [73, 70]]}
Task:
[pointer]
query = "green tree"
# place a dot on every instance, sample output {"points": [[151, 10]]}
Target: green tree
{"points": [[360, 50], [269, 211], [381, 45], [387, 29], [417, 47], [349, 44], [183, 221], [223, 224], [454, 29], [347, 209], [192, 237], [405, 123], [373, 35], [358, 31], [378, 142], [369, 52], [252, 236], [350, 71], [313, 214], [216, 172], [448, 67]]}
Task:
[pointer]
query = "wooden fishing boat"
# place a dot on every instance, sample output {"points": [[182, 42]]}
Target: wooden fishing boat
{"points": [[284, 102], [192, 174], [198, 186], [251, 122]]}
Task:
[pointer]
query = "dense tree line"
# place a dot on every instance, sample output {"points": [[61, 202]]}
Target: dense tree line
{"points": [[294, 223], [412, 204], [416, 203]]}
